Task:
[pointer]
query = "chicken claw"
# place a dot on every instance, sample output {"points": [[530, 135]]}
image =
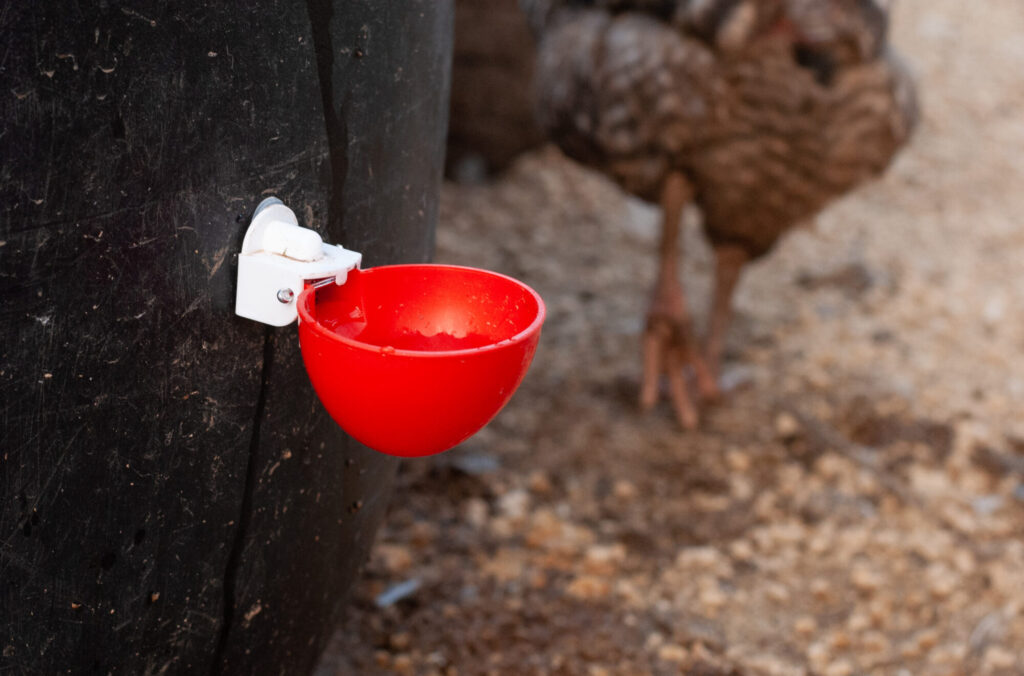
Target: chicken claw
{"points": [[665, 351]]}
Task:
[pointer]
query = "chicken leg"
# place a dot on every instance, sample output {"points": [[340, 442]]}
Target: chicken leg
{"points": [[669, 343], [729, 262]]}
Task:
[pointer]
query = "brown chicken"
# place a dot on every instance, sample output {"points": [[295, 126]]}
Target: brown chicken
{"points": [[758, 111]]}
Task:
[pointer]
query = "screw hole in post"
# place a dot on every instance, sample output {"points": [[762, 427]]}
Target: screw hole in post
{"points": [[285, 295]]}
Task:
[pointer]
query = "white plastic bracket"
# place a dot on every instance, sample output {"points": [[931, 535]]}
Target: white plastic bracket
{"points": [[278, 258]]}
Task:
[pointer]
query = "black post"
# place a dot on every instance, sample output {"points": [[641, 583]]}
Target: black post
{"points": [[174, 498]]}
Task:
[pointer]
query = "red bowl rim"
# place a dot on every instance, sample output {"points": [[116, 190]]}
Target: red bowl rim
{"points": [[523, 336]]}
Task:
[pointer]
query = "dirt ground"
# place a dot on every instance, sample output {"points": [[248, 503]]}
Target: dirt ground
{"points": [[856, 506]]}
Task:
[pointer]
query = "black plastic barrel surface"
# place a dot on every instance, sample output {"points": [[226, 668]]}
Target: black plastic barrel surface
{"points": [[174, 497]]}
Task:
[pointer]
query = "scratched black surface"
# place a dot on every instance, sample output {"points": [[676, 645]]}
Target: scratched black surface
{"points": [[174, 499]]}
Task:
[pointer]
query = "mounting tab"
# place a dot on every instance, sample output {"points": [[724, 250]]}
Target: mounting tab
{"points": [[278, 258]]}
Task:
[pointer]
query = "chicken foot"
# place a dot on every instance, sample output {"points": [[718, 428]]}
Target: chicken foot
{"points": [[669, 343]]}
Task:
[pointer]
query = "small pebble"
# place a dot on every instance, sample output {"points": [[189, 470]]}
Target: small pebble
{"points": [[403, 664], [712, 598], [865, 579], [399, 641], [805, 625], [673, 653], [394, 558], [839, 668], [737, 460], [603, 559], [875, 642], [997, 657], [515, 504], [588, 588], [787, 427], [777, 592], [539, 483], [624, 490], [475, 512], [821, 590]]}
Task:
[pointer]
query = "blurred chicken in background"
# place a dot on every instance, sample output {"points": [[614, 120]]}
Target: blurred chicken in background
{"points": [[491, 118], [758, 111]]}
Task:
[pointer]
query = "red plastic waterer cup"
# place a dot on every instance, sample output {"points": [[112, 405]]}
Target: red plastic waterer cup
{"points": [[411, 360]]}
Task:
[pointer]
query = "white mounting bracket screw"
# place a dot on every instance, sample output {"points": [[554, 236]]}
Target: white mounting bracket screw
{"points": [[278, 258]]}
